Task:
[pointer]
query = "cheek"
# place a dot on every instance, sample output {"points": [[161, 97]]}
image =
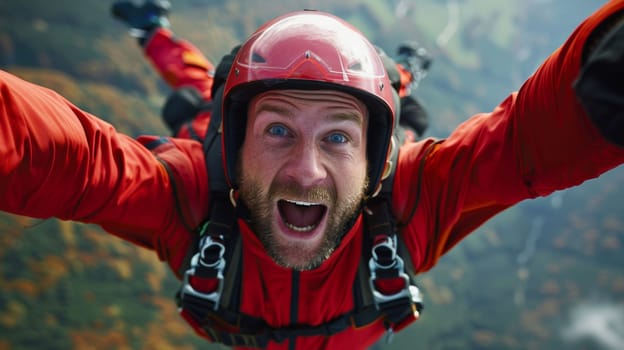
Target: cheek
{"points": [[247, 160], [256, 163], [351, 176]]}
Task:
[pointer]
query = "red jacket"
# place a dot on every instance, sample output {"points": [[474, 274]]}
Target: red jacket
{"points": [[59, 161]]}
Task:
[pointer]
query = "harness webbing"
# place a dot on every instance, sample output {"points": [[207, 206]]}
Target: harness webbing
{"points": [[202, 298]]}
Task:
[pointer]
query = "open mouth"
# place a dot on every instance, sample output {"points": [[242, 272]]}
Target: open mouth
{"points": [[299, 216]]}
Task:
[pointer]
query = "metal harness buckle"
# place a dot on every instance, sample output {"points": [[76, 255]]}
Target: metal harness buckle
{"points": [[387, 248], [396, 262], [201, 261]]}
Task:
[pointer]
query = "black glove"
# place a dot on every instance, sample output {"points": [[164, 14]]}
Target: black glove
{"points": [[415, 59], [144, 18], [600, 86]]}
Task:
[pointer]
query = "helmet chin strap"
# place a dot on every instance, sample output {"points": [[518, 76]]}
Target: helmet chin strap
{"points": [[388, 168], [233, 196]]}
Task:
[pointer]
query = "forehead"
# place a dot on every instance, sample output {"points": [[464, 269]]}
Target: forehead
{"points": [[330, 100]]}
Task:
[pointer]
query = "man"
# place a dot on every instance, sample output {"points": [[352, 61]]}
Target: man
{"points": [[307, 126]]}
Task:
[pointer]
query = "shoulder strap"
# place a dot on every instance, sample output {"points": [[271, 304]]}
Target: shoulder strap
{"points": [[385, 277]]}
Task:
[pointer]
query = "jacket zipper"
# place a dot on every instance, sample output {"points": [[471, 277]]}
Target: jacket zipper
{"points": [[294, 307]]}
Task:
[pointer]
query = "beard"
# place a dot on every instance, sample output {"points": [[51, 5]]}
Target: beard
{"points": [[296, 254]]}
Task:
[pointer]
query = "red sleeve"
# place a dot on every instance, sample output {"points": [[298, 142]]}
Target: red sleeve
{"points": [[179, 63], [59, 161], [537, 141]]}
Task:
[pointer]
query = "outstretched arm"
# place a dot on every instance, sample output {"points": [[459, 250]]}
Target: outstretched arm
{"points": [[59, 161], [537, 141]]}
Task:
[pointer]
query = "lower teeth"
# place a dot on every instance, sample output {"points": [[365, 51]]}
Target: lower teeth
{"points": [[300, 229]]}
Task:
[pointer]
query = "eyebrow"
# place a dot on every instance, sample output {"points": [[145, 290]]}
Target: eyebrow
{"points": [[348, 116], [269, 107]]}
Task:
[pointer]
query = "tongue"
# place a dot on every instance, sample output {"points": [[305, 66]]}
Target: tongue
{"points": [[300, 215]]}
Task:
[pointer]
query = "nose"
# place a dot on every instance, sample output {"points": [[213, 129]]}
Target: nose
{"points": [[306, 165]]}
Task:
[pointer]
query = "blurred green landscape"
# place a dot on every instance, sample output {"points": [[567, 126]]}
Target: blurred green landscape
{"points": [[546, 274]]}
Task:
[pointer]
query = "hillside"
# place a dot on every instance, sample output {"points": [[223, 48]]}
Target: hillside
{"points": [[530, 279]]}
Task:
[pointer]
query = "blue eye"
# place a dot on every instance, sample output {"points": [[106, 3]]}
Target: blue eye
{"points": [[278, 130], [337, 138]]}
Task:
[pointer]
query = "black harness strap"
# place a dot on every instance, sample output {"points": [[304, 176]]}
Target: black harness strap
{"points": [[213, 150], [386, 271]]}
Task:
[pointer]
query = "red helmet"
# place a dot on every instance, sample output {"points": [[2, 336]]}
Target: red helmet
{"points": [[309, 50]]}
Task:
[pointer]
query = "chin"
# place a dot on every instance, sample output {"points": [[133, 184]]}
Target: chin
{"points": [[300, 256]]}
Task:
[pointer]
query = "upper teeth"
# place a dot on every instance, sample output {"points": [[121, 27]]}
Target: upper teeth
{"points": [[307, 204]]}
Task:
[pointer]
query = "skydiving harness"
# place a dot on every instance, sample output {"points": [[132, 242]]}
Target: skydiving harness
{"points": [[209, 298]]}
